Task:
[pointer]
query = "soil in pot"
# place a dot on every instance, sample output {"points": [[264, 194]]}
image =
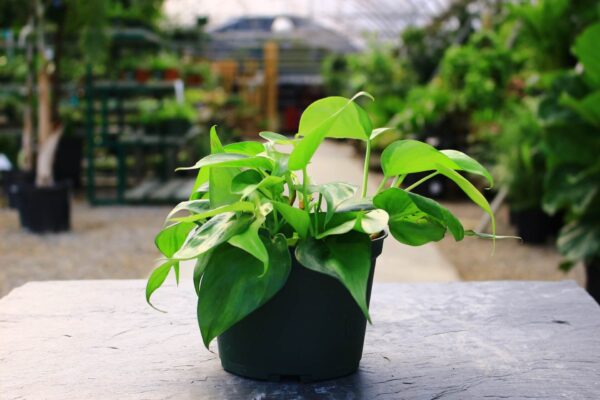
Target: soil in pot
{"points": [[311, 330], [45, 209]]}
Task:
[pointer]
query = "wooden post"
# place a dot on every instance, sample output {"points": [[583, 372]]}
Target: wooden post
{"points": [[271, 94]]}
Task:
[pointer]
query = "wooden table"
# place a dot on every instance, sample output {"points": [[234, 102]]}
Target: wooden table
{"points": [[489, 340]]}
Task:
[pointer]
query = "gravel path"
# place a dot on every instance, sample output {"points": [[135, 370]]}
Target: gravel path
{"points": [[105, 243], [512, 260]]}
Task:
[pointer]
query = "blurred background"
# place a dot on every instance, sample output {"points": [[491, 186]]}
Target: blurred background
{"points": [[100, 100]]}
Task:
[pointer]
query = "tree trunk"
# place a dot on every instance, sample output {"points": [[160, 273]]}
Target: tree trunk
{"points": [[592, 267]]}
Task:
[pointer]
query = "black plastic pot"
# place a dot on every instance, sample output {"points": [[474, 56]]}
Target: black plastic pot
{"points": [[534, 226], [311, 330], [68, 160], [11, 183], [592, 268], [45, 209]]}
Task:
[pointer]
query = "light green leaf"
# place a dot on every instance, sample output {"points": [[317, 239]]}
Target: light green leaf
{"points": [[232, 160], [201, 179], [247, 182], [215, 142], [411, 156], [215, 231], [335, 193], [240, 206], [233, 285], [335, 117], [192, 206], [345, 257], [379, 131], [157, 278], [340, 223], [373, 221], [297, 218], [276, 138], [250, 242], [587, 108], [470, 191], [199, 268], [468, 164], [249, 148], [171, 238]]}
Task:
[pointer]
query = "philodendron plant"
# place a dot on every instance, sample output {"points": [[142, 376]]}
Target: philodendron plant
{"points": [[253, 204]]}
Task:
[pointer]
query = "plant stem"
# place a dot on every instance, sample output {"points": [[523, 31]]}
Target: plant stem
{"points": [[382, 184], [366, 170], [305, 188], [398, 180], [414, 185]]}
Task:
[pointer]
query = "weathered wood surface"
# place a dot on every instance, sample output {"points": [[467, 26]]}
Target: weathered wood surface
{"points": [[492, 340]]}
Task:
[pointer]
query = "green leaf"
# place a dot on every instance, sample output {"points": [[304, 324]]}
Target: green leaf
{"points": [[171, 238], [240, 206], [249, 148], [411, 156], [373, 221], [336, 117], [468, 164], [586, 50], [201, 179], [247, 182], [157, 278], [297, 218], [345, 257], [580, 240], [356, 205], [232, 160], [587, 108], [217, 230], [335, 193], [192, 206], [276, 138], [470, 191], [233, 285], [199, 268], [340, 223], [379, 131], [415, 220], [250, 242], [215, 142]]}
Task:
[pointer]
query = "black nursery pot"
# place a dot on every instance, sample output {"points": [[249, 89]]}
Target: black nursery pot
{"points": [[311, 330], [534, 226], [45, 209], [12, 181]]}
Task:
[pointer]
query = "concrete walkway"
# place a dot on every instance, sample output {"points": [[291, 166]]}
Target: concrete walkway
{"points": [[335, 161]]}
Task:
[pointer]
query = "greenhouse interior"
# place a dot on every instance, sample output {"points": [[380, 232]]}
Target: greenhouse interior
{"points": [[186, 142]]}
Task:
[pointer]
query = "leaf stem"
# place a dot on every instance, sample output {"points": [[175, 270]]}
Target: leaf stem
{"points": [[414, 185], [398, 180], [382, 184], [366, 170]]}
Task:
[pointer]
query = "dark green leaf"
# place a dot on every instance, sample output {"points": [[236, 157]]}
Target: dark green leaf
{"points": [[345, 257], [233, 285]]}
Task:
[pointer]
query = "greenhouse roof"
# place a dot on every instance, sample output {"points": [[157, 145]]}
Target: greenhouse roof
{"points": [[358, 20]]}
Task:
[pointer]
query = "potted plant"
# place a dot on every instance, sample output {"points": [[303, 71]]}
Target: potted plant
{"points": [[165, 66], [284, 265], [175, 117], [569, 112], [522, 159]]}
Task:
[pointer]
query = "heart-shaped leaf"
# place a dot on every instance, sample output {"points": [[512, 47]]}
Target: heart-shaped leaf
{"points": [[345, 257], [233, 285]]}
